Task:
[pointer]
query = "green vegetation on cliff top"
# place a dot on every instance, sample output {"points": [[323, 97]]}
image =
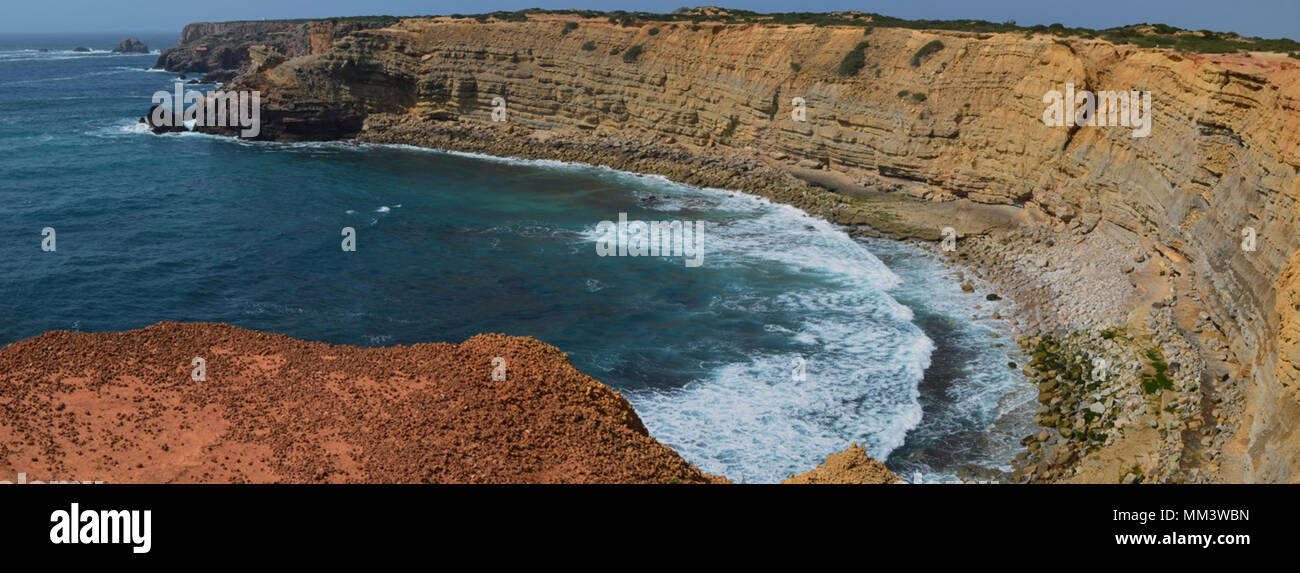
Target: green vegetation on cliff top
{"points": [[1143, 35]]}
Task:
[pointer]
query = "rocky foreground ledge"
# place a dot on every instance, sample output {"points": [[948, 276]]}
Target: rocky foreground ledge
{"points": [[124, 407]]}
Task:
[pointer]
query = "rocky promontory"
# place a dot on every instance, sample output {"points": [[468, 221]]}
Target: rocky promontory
{"points": [[221, 49], [212, 403], [851, 466]]}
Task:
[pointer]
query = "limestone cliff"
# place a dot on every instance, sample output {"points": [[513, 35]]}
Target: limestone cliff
{"points": [[222, 48], [1223, 155]]}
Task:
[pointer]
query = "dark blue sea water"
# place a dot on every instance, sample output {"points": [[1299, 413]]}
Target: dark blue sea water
{"points": [[187, 227]]}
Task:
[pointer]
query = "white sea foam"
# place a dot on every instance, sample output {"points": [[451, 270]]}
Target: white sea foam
{"points": [[753, 419], [863, 357], [136, 127], [37, 55], [985, 395]]}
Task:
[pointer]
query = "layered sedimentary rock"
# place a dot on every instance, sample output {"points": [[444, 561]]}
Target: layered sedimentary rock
{"points": [[139, 407], [1222, 161], [222, 48]]}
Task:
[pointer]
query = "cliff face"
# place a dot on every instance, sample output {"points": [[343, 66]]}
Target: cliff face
{"points": [[127, 408], [208, 47], [1223, 154]]}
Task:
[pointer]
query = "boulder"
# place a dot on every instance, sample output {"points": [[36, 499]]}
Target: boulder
{"points": [[148, 120]]}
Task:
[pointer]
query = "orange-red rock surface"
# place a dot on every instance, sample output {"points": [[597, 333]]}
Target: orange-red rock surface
{"points": [[851, 466], [122, 407]]}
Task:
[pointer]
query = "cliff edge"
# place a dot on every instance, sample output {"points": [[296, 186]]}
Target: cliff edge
{"points": [[140, 407]]}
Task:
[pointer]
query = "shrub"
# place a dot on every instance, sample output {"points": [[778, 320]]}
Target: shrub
{"points": [[569, 27], [853, 61], [925, 52], [653, 31], [1142, 35], [614, 51], [795, 66], [632, 54], [589, 46], [1160, 381], [904, 93], [918, 96]]}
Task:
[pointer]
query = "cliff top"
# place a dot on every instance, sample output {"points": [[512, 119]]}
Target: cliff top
{"points": [[1146, 35], [138, 406]]}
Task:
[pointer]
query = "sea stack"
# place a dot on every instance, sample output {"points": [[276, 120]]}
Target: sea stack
{"points": [[130, 46]]}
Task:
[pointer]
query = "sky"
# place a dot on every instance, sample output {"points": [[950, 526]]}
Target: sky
{"points": [[1266, 18]]}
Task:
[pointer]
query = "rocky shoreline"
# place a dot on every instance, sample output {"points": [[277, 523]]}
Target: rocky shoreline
{"points": [[1074, 290]]}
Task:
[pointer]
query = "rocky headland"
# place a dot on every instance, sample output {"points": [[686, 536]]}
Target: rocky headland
{"points": [[1151, 278], [126, 407], [221, 50]]}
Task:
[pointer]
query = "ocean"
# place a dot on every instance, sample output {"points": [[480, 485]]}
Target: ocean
{"points": [[791, 341]]}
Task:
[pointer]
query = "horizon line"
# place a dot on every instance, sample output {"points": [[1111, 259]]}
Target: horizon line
{"points": [[549, 11]]}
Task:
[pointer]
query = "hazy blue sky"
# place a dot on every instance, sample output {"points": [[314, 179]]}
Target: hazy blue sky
{"points": [[1268, 18]]}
